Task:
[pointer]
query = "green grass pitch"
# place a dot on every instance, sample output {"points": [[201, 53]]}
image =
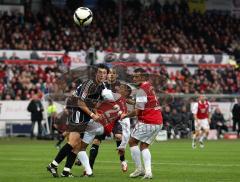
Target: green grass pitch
{"points": [[25, 160]]}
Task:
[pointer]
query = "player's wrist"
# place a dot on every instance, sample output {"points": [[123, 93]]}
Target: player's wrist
{"points": [[92, 114]]}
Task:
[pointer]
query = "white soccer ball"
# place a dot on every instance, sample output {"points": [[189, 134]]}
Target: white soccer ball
{"points": [[83, 16]]}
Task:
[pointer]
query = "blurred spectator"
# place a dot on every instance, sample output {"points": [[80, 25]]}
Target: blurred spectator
{"points": [[3, 57], [177, 121], [34, 55], [236, 116], [52, 111], [187, 120], [14, 56], [35, 107], [218, 122], [146, 26], [167, 120]]}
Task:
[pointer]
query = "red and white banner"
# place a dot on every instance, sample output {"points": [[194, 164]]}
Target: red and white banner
{"points": [[163, 58], [78, 59]]}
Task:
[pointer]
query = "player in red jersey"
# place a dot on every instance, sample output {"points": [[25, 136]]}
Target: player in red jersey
{"points": [[147, 110], [201, 111]]}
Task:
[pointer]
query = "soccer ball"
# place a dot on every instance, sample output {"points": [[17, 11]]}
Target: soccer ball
{"points": [[83, 16]]}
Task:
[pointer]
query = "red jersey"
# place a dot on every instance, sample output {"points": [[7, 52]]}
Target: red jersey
{"points": [[147, 103], [110, 114], [201, 110]]}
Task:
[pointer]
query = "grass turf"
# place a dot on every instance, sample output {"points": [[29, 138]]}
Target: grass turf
{"points": [[22, 159]]}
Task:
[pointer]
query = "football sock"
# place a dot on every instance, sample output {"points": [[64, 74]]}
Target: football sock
{"points": [[70, 160], [202, 137], [64, 151], [93, 154], [60, 140], [136, 156], [147, 160], [194, 138], [82, 156], [122, 157], [118, 143]]}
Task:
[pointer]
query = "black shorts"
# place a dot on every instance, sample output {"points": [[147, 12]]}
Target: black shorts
{"points": [[117, 129], [77, 120]]}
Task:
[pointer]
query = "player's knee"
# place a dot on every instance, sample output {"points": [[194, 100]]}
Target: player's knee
{"points": [[118, 137], [83, 146], [73, 139], [132, 142], [143, 146]]}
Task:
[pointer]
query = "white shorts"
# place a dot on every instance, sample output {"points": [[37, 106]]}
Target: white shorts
{"points": [[145, 132], [202, 124], [93, 129]]}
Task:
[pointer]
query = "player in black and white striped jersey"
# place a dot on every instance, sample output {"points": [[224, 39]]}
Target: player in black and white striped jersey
{"points": [[81, 117]]}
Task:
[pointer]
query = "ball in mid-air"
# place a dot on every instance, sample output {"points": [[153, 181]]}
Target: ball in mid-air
{"points": [[83, 16]]}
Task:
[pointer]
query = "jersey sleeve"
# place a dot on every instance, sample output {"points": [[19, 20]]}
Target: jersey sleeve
{"points": [[141, 99], [84, 90], [195, 108]]}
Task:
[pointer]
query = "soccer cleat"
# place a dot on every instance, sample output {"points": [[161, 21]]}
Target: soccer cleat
{"points": [[201, 144], [66, 174], [124, 166], [52, 170], [147, 176], [194, 145], [87, 175], [136, 173]]}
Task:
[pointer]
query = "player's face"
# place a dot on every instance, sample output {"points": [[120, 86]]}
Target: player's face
{"points": [[137, 78], [112, 75], [101, 75], [202, 98], [123, 91]]}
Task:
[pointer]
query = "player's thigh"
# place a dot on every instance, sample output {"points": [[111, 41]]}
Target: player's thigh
{"points": [[117, 131], [92, 130], [73, 139], [205, 125], [146, 133]]}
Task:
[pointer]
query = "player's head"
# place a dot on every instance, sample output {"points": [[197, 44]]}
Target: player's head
{"points": [[139, 76], [202, 98], [101, 73], [50, 101], [112, 75], [125, 90]]}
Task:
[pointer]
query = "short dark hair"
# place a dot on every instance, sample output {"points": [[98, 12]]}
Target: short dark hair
{"points": [[102, 66], [142, 71]]}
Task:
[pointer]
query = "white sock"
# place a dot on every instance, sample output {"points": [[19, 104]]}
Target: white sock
{"points": [[54, 163], [66, 169], [193, 138], [136, 156], [202, 137], [83, 157], [147, 160]]}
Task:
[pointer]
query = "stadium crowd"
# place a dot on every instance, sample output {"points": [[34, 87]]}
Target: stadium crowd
{"points": [[19, 82], [168, 28]]}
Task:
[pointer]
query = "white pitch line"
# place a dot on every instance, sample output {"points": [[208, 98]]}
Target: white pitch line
{"points": [[184, 164], [154, 163]]}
